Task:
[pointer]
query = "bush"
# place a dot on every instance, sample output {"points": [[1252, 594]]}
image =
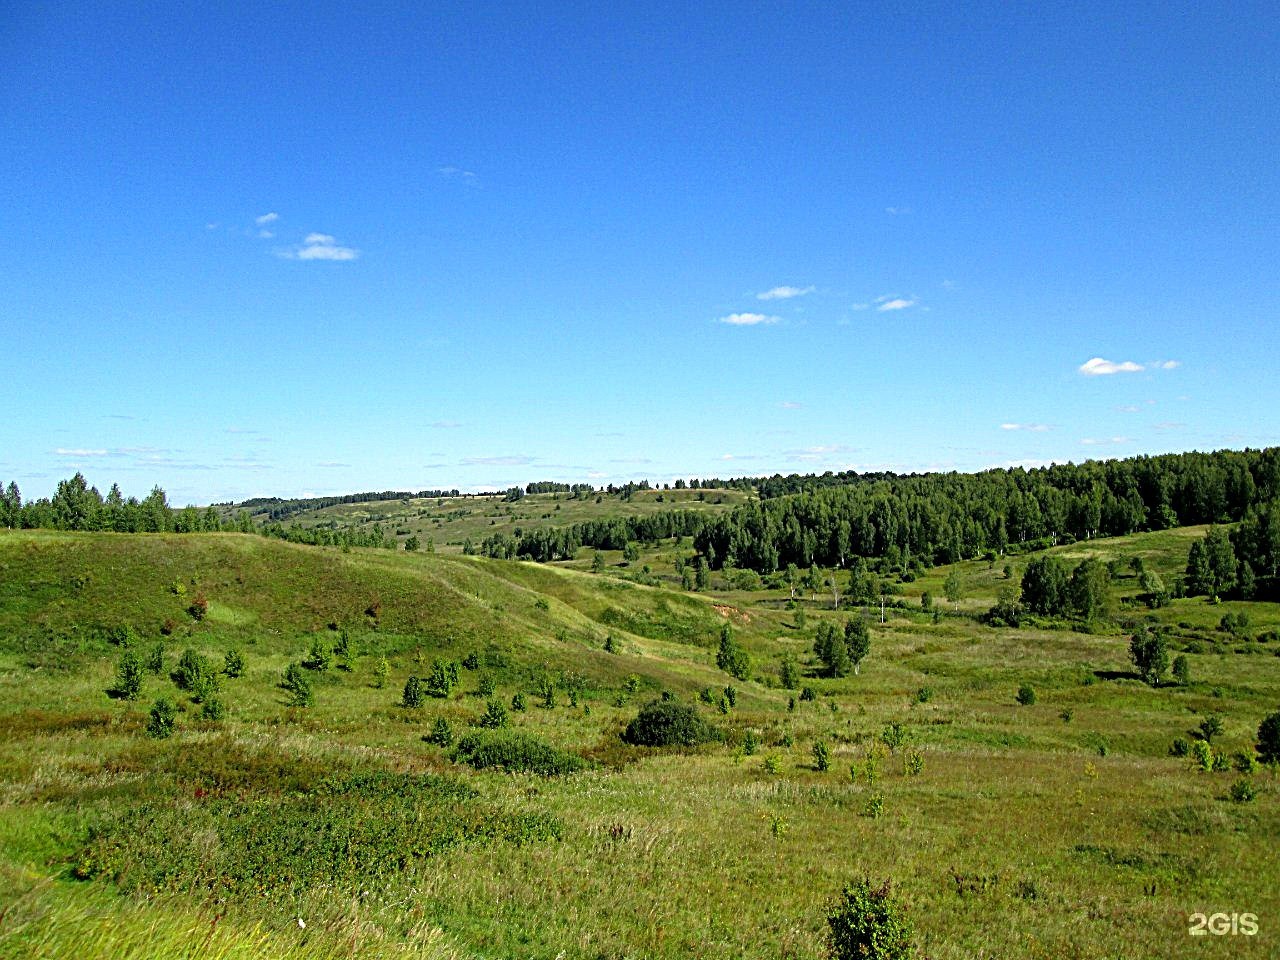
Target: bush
{"points": [[893, 735], [161, 719], [821, 756], [1180, 747], [128, 677], [213, 710], [495, 715], [441, 733], [442, 678], [155, 660], [1026, 695], [518, 703], [664, 723], [866, 924], [730, 657], [199, 608], [381, 670], [196, 675], [1269, 739], [320, 658], [515, 752], [1242, 791], [1182, 669], [233, 663], [298, 684], [413, 692]]}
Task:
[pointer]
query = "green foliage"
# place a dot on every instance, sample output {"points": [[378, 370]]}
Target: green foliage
{"points": [[353, 833], [821, 756], [1210, 727], [1211, 564], [1242, 791], [298, 685], [381, 671], [1026, 695], [547, 691], [1149, 651], [441, 733], [213, 710], [1268, 745], [953, 588], [161, 719], [486, 685], [199, 608], [1182, 669], [865, 923], [663, 723], [1044, 586], [515, 752], [857, 641], [154, 663], [128, 684], [320, 657], [913, 764], [413, 694], [442, 678], [789, 675], [1202, 754], [518, 703], [832, 651], [1180, 747], [494, 716], [893, 735], [1090, 589], [750, 743], [233, 663], [1008, 610], [731, 657], [196, 675]]}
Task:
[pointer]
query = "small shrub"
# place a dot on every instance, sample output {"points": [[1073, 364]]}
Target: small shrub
{"points": [[772, 764], [441, 733], [1210, 727], [731, 694], [1221, 763], [1202, 754], [128, 683], [750, 743], [441, 679], [821, 756], [167, 628], [1242, 791], [924, 694], [413, 693], [195, 674], [865, 923], [161, 719], [471, 661], [155, 660], [913, 765], [1182, 669], [213, 710], [518, 703], [515, 752], [610, 644], [486, 685], [893, 735], [199, 608], [808, 694], [1180, 747], [298, 684], [320, 657], [669, 723], [1244, 762], [874, 807], [1026, 695], [1269, 739], [1067, 714], [494, 716], [547, 691], [233, 663], [381, 670]]}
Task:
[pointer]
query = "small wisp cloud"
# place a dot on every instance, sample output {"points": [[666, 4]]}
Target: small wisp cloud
{"points": [[1098, 367], [784, 293], [748, 319]]}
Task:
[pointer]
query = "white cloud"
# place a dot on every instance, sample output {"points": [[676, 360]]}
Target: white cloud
{"points": [[265, 234], [1168, 364], [266, 218], [1033, 427], [1099, 441], [784, 293], [1168, 425], [790, 405], [897, 303], [79, 452], [1098, 367], [321, 246], [747, 319], [457, 173]]}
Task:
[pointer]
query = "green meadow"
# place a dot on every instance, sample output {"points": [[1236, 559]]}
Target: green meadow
{"points": [[1044, 826]]}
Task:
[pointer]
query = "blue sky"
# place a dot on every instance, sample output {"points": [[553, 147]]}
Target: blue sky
{"points": [[319, 248]]}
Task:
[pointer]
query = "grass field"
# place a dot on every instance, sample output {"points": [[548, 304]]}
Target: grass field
{"points": [[450, 521], [1062, 828]]}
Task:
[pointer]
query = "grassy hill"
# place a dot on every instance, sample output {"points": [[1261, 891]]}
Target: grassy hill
{"points": [[450, 521], [1057, 828]]}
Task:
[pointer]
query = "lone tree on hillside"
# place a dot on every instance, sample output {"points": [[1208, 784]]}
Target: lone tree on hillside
{"points": [[857, 638], [731, 658], [1150, 654]]}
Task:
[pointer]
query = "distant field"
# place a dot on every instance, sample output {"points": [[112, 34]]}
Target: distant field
{"points": [[1062, 828], [450, 521]]}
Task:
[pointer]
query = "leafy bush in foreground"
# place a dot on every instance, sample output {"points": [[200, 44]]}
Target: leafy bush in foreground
{"points": [[866, 924], [515, 752], [665, 723]]}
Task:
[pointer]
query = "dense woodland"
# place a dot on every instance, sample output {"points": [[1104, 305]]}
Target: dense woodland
{"points": [[932, 519]]}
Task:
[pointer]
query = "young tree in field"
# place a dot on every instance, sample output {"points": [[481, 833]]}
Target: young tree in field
{"points": [[857, 641], [730, 657], [953, 587], [1044, 587], [1150, 654], [831, 650], [1089, 589], [790, 673], [1269, 739], [129, 676]]}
